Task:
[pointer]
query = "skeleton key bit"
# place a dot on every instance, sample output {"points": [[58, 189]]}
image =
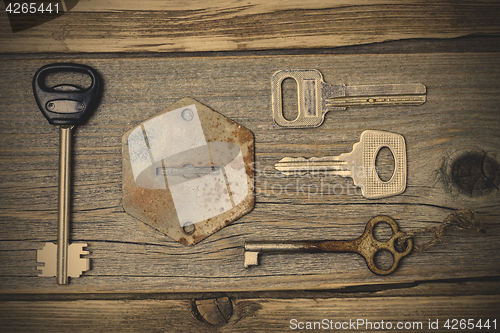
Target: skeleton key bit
{"points": [[359, 164], [65, 106], [366, 245], [316, 98]]}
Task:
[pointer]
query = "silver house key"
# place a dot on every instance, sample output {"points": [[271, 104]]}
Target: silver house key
{"points": [[316, 98], [359, 164], [65, 106]]}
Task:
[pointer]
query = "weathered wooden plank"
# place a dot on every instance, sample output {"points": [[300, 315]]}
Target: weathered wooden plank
{"points": [[461, 112], [486, 286], [157, 26], [271, 315]]}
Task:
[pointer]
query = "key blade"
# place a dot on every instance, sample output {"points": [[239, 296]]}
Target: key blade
{"points": [[386, 89], [380, 95], [290, 166], [76, 264], [47, 256], [299, 165], [343, 102]]}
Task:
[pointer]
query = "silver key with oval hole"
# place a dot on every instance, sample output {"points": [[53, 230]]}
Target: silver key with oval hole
{"points": [[316, 98], [359, 164]]}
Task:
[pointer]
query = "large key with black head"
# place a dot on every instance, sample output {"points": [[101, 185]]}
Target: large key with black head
{"points": [[66, 106]]}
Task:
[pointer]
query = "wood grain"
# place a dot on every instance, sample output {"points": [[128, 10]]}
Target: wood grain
{"points": [[276, 315], [158, 26], [127, 256]]}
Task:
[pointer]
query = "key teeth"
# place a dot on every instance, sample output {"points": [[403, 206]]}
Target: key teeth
{"points": [[47, 256], [292, 159], [76, 264], [44, 272], [289, 171], [282, 166]]}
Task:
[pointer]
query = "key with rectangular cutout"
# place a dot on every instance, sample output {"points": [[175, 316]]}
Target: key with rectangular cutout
{"points": [[366, 245], [316, 98], [359, 164]]}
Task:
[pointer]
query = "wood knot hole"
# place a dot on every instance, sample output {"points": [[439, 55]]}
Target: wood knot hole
{"points": [[214, 311], [476, 174]]}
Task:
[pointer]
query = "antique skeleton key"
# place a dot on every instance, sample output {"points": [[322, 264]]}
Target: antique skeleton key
{"points": [[359, 164], [65, 106], [316, 98], [366, 245]]}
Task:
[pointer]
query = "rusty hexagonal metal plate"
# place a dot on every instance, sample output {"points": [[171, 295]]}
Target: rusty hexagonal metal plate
{"points": [[188, 171]]}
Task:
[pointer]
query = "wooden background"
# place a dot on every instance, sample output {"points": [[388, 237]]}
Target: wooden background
{"points": [[223, 54]]}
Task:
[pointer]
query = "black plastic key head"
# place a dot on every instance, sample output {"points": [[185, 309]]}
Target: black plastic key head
{"points": [[66, 107]]}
